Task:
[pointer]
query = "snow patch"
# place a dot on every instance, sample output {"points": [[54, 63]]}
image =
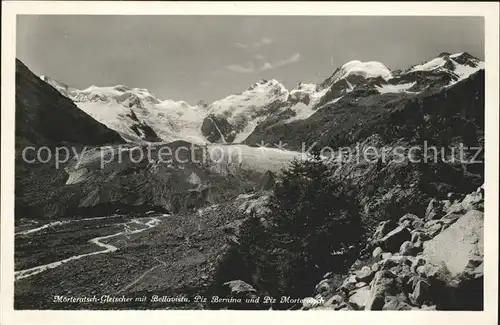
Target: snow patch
{"points": [[387, 88], [371, 69]]}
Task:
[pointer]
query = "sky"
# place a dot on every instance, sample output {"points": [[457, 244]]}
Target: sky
{"points": [[195, 58]]}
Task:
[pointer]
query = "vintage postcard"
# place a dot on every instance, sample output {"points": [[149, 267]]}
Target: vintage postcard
{"points": [[251, 158]]}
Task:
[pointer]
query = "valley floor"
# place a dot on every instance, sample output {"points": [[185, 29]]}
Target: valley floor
{"points": [[116, 256]]}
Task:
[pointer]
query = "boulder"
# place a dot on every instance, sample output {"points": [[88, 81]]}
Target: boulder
{"points": [[408, 219], [472, 201], [395, 261], [239, 286], [420, 270], [393, 240], [402, 271], [460, 243], [417, 224], [349, 284], [334, 301], [360, 297], [433, 227], [421, 292], [407, 248], [449, 219], [434, 210], [386, 255], [364, 275], [396, 303], [382, 229], [418, 238], [418, 261], [377, 252], [383, 284], [324, 287], [455, 207], [361, 285]]}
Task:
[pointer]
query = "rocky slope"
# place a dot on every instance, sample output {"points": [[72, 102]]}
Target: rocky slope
{"points": [[432, 262], [40, 108]]}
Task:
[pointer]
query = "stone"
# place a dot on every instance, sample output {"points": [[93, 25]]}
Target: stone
{"points": [[472, 201], [417, 224], [407, 248], [349, 284], [364, 275], [377, 252], [239, 286], [361, 285], [421, 292], [386, 255], [395, 261], [405, 273], [419, 260], [416, 239], [447, 204], [382, 229], [393, 240], [344, 307], [383, 284], [432, 271], [324, 286], [395, 303], [375, 267], [396, 269], [450, 219], [458, 244], [360, 297], [433, 227], [420, 270], [408, 217], [434, 209], [334, 301]]}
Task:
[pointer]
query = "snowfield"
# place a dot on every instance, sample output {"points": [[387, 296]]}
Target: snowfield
{"points": [[461, 70], [371, 69]]}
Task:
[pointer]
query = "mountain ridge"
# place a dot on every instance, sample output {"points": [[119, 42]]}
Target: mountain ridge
{"points": [[139, 116]]}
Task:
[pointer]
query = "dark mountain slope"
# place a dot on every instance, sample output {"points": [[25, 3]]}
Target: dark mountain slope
{"points": [[45, 117], [359, 114]]}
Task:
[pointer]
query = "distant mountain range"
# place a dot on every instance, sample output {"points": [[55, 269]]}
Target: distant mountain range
{"points": [[138, 115]]}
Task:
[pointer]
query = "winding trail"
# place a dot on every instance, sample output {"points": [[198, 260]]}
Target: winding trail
{"points": [[60, 223], [108, 248]]}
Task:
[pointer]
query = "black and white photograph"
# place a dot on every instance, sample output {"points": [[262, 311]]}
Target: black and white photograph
{"points": [[249, 162]]}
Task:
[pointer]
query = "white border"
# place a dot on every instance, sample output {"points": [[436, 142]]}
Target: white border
{"points": [[488, 10]]}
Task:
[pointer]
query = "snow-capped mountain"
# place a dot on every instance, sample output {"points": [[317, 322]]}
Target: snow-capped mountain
{"points": [[138, 115], [239, 114], [443, 71]]}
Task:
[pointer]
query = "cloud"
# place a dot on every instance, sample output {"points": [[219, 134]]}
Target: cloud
{"points": [[255, 45], [292, 59], [240, 45], [247, 67]]}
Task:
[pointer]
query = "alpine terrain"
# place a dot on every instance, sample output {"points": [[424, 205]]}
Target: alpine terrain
{"points": [[361, 192]]}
